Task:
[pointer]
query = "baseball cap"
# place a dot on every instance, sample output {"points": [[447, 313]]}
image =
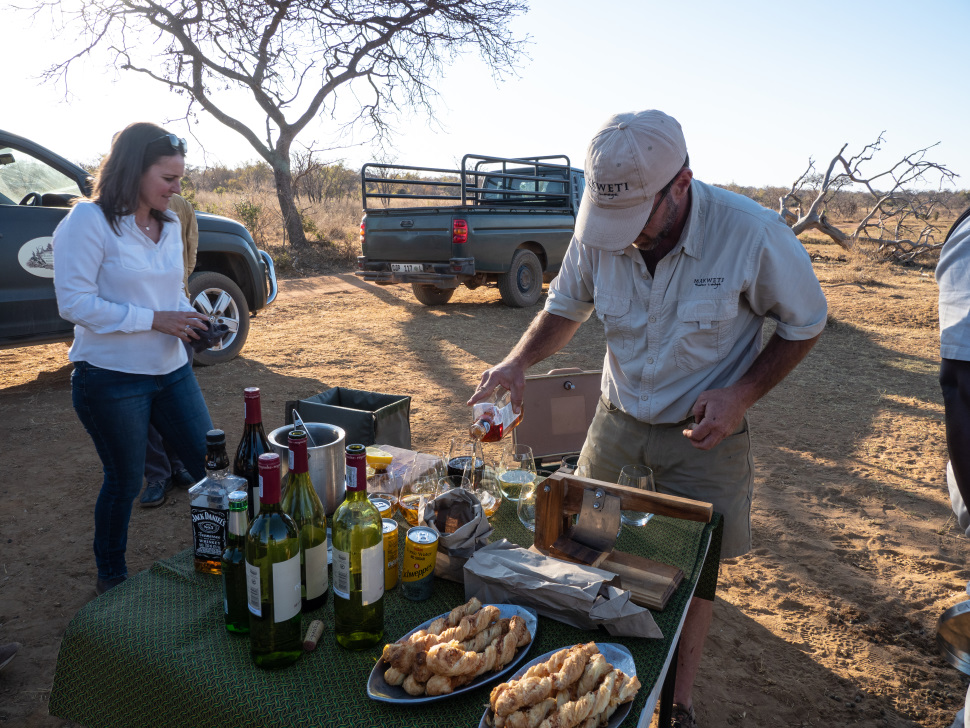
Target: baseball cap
{"points": [[630, 159]]}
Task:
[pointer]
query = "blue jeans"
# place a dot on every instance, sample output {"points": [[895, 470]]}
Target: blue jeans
{"points": [[161, 461], [116, 409]]}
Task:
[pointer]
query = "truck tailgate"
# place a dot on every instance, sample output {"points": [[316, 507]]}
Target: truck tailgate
{"points": [[401, 236]]}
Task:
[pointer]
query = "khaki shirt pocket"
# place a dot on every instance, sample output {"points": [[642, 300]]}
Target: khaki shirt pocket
{"points": [[703, 332], [614, 312]]}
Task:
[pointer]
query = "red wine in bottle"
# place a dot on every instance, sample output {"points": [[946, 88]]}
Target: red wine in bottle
{"points": [[253, 444]]}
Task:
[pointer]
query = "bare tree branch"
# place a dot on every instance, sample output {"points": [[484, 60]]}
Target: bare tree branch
{"points": [[900, 206], [290, 58]]}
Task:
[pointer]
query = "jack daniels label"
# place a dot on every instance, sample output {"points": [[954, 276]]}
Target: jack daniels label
{"points": [[209, 527]]}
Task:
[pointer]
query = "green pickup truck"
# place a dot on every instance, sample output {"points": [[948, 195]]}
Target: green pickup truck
{"points": [[496, 221]]}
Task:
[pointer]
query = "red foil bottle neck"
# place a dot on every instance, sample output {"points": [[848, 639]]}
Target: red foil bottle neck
{"points": [[254, 413], [269, 476]]}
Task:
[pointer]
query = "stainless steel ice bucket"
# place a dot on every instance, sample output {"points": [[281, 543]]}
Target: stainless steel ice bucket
{"points": [[327, 459]]}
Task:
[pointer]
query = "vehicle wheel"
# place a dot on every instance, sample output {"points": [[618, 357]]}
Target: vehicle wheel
{"points": [[522, 285], [214, 294], [432, 295]]}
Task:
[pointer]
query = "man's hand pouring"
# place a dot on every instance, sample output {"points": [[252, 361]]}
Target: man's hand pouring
{"points": [[508, 374]]}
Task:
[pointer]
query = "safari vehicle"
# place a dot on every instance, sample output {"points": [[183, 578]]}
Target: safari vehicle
{"points": [[231, 281], [496, 221]]}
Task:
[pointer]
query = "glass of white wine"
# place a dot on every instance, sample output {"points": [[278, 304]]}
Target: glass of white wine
{"points": [[636, 476], [415, 494], [516, 469], [526, 505]]}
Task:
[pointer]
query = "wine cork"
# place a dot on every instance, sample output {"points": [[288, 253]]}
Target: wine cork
{"points": [[313, 635]]}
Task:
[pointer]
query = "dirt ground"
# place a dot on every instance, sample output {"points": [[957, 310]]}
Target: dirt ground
{"points": [[829, 621]]}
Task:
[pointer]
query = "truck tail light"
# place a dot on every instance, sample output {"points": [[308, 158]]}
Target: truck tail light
{"points": [[361, 232], [459, 232]]}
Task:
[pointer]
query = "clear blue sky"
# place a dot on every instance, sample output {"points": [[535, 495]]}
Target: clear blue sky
{"points": [[759, 87]]}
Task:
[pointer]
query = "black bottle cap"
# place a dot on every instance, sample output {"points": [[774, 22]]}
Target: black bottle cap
{"points": [[215, 437]]}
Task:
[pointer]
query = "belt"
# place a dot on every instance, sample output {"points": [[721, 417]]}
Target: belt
{"points": [[613, 409]]}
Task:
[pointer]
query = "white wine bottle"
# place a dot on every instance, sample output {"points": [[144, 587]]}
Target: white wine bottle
{"points": [[303, 505], [358, 561], [273, 576]]}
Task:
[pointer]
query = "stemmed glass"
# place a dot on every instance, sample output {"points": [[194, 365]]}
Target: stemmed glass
{"points": [[415, 494], [636, 476], [384, 486], [461, 455], [516, 469], [483, 486], [526, 506]]}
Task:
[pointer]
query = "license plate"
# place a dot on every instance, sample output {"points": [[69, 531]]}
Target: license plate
{"points": [[407, 267]]}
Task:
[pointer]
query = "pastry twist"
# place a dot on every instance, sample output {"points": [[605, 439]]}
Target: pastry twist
{"points": [[596, 668], [574, 712]]}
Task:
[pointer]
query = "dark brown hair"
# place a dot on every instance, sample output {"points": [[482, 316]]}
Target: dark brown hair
{"points": [[118, 180]]}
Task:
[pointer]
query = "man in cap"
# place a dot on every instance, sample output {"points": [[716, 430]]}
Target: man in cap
{"points": [[682, 275]]}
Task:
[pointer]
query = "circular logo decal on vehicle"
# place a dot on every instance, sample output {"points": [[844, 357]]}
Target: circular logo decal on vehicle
{"points": [[37, 257]]}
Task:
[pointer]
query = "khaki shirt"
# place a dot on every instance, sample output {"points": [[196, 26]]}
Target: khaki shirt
{"points": [[190, 234], [697, 323]]}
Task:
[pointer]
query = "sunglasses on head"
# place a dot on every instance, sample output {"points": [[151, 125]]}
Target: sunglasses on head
{"points": [[177, 143]]}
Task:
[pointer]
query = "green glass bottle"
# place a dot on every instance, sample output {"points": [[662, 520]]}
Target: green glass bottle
{"points": [[273, 576], [234, 565], [358, 561], [303, 505]]}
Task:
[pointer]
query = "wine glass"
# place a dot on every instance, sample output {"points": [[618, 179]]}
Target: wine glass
{"points": [[516, 469], [384, 486], [461, 454], [526, 506], [415, 494], [486, 489], [636, 476]]}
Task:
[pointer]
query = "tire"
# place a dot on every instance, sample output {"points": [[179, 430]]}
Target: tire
{"points": [[522, 285], [431, 295], [214, 294]]}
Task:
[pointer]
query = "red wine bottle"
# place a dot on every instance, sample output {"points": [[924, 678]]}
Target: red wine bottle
{"points": [[253, 444]]}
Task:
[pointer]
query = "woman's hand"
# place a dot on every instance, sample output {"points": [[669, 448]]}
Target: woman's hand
{"points": [[180, 324]]}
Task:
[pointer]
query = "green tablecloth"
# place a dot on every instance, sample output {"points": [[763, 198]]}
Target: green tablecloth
{"points": [[155, 652]]}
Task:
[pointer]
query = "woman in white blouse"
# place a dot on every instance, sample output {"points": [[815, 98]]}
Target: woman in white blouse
{"points": [[118, 276]]}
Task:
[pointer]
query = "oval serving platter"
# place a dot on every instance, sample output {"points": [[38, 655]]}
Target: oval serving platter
{"points": [[378, 689], [617, 655]]}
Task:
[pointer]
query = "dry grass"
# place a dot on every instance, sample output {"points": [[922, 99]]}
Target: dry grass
{"points": [[332, 228]]}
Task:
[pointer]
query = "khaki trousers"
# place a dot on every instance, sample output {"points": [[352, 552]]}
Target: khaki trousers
{"points": [[723, 476]]}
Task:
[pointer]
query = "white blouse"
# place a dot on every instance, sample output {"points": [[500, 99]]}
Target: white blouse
{"points": [[110, 286]]}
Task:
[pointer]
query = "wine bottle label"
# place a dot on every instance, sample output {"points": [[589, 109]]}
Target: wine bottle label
{"points": [[209, 531], [315, 560], [341, 573], [252, 590], [372, 573], [287, 594]]}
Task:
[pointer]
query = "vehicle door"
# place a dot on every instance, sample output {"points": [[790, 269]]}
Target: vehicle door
{"points": [[34, 198]]}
